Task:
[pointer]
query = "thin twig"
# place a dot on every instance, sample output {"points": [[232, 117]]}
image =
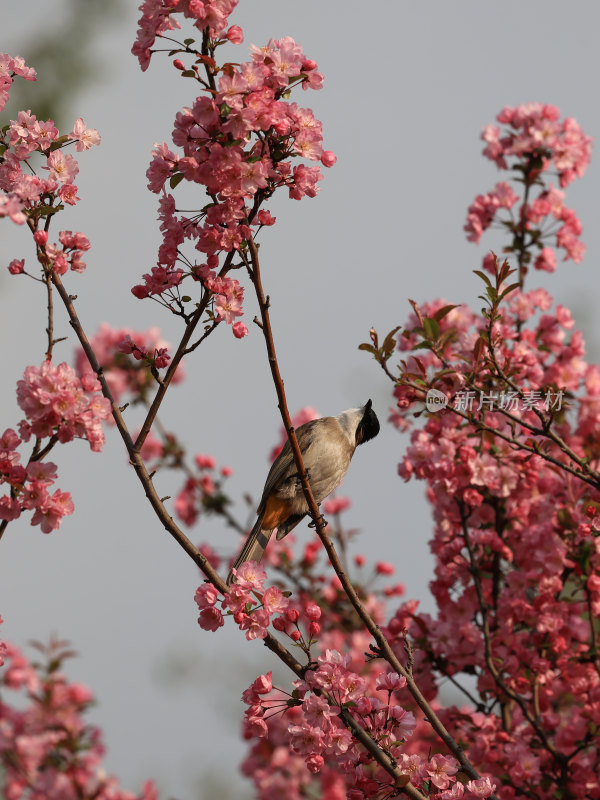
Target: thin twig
{"points": [[50, 328]]}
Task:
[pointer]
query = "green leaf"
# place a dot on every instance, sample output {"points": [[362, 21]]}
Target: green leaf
{"points": [[389, 343], [420, 365], [58, 143], [188, 73], [483, 276], [175, 179], [508, 290], [422, 346], [446, 337], [368, 347], [441, 313], [492, 294], [47, 211], [186, 298], [478, 349], [188, 42], [432, 328]]}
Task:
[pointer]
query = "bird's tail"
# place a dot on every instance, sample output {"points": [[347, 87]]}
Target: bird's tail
{"points": [[254, 547]]}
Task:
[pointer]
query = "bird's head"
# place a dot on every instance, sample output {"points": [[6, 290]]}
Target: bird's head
{"points": [[360, 424], [368, 427]]}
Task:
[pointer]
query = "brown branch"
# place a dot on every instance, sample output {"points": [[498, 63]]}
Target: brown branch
{"points": [[181, 350], [382, 643], [593, 638], [50, 328], [273, 644], [189, 330], [204, 336], [401, 780]]}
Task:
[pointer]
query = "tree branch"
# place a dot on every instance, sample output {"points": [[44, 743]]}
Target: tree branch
{"points": [[382, 643]]}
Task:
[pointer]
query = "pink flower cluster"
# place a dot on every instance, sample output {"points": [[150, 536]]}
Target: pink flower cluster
{"points": [[533, 142], [159, 358], [22, 190], [238, 141], [47, 750], [9, 67], [250, 604], [202, 491], [515, 542], [29, 487], [158, 17], [58, 259], [534, 131], [126, 356], [310, 726], [3, 648], [482, 212], [58, 403]]}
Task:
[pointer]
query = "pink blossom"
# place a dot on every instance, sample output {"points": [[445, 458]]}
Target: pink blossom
{"points": [[255, 624], [63, 168], [274, 602], [16, 266], [10, 508], [250, 575], [210, 619], [85, 137], [440, 768], [206, 595], [239, 330], [482, 787], [335, 505], [235, 34], [49, 513], [390, 681]]}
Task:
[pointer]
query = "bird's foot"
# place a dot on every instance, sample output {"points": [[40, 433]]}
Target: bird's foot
{"points": [[322, 522]]}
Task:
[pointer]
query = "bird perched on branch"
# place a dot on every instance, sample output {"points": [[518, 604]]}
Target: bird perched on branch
{"points": [[327, 446]]}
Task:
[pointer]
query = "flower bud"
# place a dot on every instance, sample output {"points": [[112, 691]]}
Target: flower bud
{"points": [[235, 34]]}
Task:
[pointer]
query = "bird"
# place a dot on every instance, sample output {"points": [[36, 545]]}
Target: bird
{"points": [[327, 445]]}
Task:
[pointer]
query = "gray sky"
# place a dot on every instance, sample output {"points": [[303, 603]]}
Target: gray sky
{"points": [[408, 87]]}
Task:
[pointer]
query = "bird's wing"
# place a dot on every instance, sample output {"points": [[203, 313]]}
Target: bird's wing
{"points": [[284, 466]]}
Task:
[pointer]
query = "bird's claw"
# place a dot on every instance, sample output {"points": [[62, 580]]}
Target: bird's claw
{"points": [[321, 521]]}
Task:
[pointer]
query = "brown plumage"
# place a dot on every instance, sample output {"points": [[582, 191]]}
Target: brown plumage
{"points": [[327, 446]]}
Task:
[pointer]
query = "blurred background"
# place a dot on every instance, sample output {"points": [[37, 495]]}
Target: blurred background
{"points": [[408, 87]]}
